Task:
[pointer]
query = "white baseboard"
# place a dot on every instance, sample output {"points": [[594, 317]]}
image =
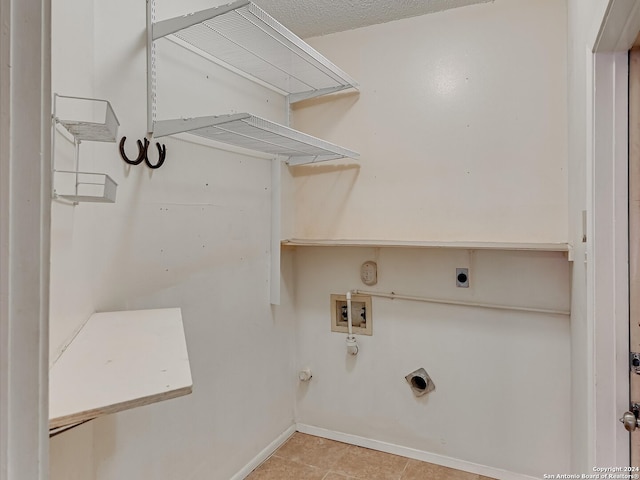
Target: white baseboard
{"points": [[264, 454], [413, 453]]}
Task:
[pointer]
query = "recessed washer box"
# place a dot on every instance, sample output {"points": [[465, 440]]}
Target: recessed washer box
{"points": [[361, 314]]}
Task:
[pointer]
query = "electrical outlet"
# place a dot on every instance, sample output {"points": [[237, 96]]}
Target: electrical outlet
{"points": [[462, 277], [361, 314]]}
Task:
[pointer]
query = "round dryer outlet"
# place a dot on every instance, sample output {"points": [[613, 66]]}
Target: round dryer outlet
{"points": [[369, 273]]}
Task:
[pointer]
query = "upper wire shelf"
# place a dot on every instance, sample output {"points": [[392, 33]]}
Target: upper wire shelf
{"points": [[245, 37]]}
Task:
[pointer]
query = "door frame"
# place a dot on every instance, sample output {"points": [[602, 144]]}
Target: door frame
{"points": [[25, 204], [607, 229]]}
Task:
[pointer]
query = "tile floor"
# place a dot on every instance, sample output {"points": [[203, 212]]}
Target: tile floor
{"points": [[305, 457]]}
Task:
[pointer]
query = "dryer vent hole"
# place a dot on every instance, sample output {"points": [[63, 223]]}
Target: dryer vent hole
{"points": [[419, 383]]}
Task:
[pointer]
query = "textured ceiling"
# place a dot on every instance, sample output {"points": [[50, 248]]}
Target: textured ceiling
{"points": [[311, 18]]}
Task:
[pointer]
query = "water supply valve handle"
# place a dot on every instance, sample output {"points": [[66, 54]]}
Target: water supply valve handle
{"points": [[352, 345]]}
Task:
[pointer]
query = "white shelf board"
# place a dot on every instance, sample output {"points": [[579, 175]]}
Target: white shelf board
{"points": [[249, 40], [544, 247], [118, 361], [254, 133]]}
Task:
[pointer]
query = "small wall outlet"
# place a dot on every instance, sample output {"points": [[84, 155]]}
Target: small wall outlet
{"points": [[361, 314], [462, 277]]}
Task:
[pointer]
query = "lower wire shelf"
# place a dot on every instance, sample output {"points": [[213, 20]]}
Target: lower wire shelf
{"points": [[254, 133]]}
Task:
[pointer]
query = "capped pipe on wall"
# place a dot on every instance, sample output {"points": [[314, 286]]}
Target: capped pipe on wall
{"points": [[352, 345]]}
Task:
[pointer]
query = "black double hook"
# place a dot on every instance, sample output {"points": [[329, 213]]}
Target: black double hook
{"points": [[162, 154], [143, 153]]}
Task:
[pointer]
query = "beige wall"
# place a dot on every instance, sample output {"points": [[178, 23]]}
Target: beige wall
{"points": [[502, 397], [461, 125], [72, 240], [462, 136], [194, 234]]}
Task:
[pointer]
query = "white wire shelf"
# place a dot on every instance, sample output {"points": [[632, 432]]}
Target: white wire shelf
{"points": [[87, 119], [248, 39], [254, 133], [84, 186]]}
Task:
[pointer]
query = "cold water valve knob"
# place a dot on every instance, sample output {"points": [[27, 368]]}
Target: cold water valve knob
{"points": [[352, 345]]}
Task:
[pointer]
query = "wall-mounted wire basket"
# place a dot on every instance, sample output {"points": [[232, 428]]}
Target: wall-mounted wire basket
{"points": [[87, 119], [84, 186]]}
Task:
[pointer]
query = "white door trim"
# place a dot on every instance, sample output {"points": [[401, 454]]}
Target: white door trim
{"points": [[25, 105], [607, 237], [607, 271]]}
